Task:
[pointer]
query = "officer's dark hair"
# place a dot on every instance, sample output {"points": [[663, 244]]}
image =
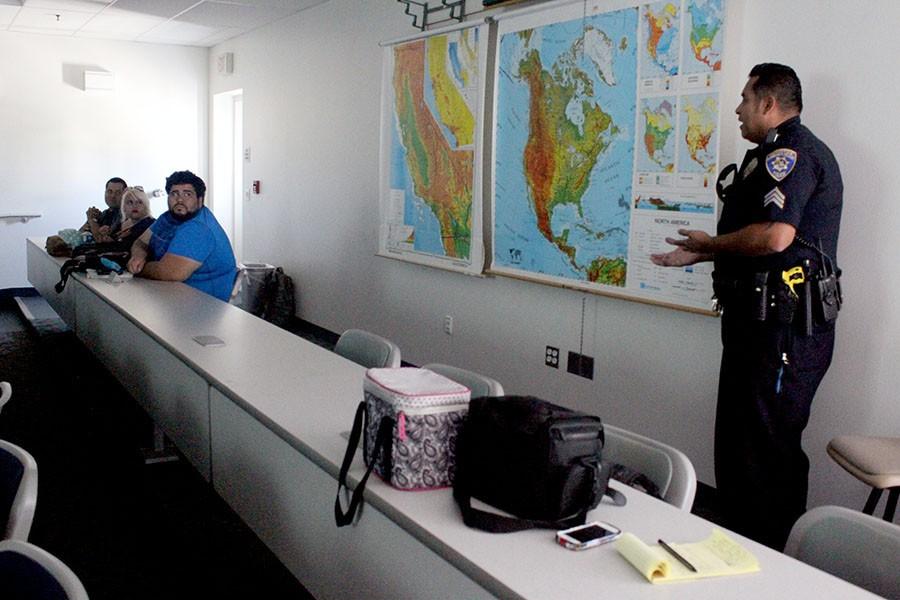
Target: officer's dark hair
{"points": [[116, 180], [779, 81], [180, 177]]}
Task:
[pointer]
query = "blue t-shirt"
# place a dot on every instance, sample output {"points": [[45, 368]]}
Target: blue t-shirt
{"points": [[202, 239]]}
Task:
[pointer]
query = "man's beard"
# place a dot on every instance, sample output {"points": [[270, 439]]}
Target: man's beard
{"points": [[187, 217]]}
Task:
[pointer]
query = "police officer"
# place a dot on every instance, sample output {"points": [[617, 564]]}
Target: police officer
{"points": [[775, 280]]}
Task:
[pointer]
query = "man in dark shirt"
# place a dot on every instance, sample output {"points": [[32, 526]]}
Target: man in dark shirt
{"points": [[107, 221], [775, 246]]}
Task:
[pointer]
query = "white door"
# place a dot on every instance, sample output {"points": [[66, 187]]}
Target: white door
{"points": [[227, 198]]}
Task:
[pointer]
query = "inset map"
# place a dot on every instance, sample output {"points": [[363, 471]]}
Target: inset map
{"points": [[657, 119], [660, 33]]}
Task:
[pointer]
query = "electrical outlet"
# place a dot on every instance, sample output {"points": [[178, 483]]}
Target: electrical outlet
{"points": [[581, 365], [551, 357], [448, 325]]}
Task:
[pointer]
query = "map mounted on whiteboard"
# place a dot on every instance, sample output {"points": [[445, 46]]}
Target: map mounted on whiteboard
{"points": [[431, 150], [605, 143]]}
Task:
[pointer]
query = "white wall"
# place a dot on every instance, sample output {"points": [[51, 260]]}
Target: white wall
{"points": [[311, 90], [60, 144]]}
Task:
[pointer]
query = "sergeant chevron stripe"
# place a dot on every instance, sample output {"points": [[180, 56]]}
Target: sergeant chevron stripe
{"points": [[776, 197]]}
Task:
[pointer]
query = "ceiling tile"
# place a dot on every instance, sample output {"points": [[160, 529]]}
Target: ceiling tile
{"points": [[39, 30], [7, 14], [232, 15], [221, 36], [89, 6], [201, 22], [121, 24], [292, 4], [51, 19], [157, 8], [177, 32]]}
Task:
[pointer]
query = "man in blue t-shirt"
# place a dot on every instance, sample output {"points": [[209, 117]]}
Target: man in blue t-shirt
{"points": [[186, 243]]}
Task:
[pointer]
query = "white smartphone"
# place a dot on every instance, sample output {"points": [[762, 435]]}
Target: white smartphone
{"points": [[587, 535]]}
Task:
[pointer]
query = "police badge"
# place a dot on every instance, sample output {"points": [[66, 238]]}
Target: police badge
{"points": [[780, 163]]}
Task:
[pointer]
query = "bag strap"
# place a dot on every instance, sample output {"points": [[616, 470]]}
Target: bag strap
{"points": [[494, 523], [385, 429], [67, 268]]}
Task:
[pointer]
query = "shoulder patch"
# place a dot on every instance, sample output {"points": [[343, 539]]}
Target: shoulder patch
{"points": [[780, 163]]}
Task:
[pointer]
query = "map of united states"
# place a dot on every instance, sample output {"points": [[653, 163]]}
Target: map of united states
{"points": [[435, 125]]}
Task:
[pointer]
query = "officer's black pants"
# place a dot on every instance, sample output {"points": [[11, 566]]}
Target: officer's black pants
{"points": [[761, 469]]}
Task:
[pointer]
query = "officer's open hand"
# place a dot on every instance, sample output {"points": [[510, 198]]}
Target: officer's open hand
{"points": [[679, 257], [691, 249], [694, 240]]}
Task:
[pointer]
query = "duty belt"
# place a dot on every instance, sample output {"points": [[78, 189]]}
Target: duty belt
{"points": [[762, 296], [797, 294]]}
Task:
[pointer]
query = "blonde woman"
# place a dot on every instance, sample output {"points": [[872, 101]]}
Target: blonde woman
{"points": [[135, 216]]}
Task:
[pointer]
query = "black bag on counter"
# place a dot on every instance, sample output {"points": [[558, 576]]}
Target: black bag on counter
{"points": [[532, 459], [103, 262]]}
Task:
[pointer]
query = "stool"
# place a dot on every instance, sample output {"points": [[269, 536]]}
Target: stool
{"points": [[873, 460]]}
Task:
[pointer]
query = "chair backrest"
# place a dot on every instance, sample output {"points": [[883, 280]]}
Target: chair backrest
{"points": [[18, 490], [367, 349], [28, 572], [669, 468], [854, 546], [480, 385], [5, 393]]}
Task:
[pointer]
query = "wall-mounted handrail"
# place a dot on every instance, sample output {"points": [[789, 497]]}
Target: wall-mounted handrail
{"points": [[24, 217]]}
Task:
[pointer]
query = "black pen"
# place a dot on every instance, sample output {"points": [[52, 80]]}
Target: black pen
{"points": [[680, 558]]}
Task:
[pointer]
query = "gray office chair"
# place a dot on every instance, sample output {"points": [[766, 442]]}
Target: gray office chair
{"points": [[31, 573], [876, 462], [367, 349], [480, 385], [670, 469], [5, 393], [856, 547], [18, 490]]}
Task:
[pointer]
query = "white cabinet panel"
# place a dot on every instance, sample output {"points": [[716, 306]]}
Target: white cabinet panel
{"points": [[175, 397], [289, 502], [43, 273]]}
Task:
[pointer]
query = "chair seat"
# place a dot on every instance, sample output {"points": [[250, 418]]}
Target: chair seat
{"points": [[873, 460]]}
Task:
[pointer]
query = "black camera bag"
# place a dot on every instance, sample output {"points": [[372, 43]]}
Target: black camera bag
{"points": [[532, 459]]}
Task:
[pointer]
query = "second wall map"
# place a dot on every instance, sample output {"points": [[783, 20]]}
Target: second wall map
{"points": [[605, 143]]}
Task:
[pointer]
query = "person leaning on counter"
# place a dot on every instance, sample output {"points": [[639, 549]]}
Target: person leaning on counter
{"points": [[186, 243]]}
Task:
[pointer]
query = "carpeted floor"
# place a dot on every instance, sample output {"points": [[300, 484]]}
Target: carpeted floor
{"points": [[129, 530]]}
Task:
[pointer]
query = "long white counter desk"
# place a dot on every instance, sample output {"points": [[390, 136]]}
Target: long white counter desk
{"points": [[270, 443]]}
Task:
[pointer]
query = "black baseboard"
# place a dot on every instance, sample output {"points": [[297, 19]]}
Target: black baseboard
{"points": [[7, 295], [322, 336], [307, 329]]}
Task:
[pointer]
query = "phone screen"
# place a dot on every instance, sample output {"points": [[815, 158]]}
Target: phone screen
{"points": [[591, 532]]}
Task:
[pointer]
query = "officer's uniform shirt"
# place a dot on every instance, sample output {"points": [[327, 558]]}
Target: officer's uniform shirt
{"points": [[792, 177]]}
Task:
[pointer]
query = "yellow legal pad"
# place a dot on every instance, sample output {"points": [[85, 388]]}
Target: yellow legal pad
{"points": [[715, 556]]}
